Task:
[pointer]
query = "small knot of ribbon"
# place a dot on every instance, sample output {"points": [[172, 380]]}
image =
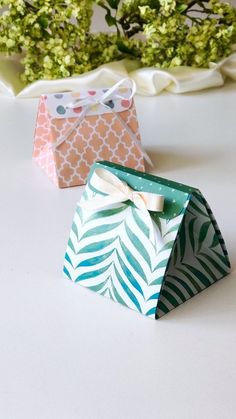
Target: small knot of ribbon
{"points": [[107, 95], [111, 94]]}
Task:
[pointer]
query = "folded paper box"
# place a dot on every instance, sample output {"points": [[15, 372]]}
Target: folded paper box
{"points": [[150, 261], [74, 130]]}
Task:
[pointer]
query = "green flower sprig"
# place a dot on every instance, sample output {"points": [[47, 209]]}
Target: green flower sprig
{"points": [[53, 37], [50, 35], [192, 33]]}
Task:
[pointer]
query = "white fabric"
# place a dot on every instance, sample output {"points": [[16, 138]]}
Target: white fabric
{"points": [[150, 81]]}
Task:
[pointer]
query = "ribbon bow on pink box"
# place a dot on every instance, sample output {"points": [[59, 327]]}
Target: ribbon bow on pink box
{"points": [[74, 130]]}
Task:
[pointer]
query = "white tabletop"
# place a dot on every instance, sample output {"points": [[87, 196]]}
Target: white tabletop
{"points": [[67, 353]]}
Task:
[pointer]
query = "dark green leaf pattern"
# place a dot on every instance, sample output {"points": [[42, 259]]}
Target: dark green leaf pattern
{"points": [[198, 259]]}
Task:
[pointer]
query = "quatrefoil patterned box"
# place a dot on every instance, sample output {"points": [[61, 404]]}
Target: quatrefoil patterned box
{"points": [[150, 261], [69, 139]]}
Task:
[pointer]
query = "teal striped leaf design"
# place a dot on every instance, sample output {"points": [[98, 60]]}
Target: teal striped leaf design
{"points": [[151, 312], [80, 214], [67, 257], [154, 296], [99, 287], [100, 230], [95, 260], [138, 244], [113, 252], [171, 230], [93, 247], [70, 244], [167, 246], [158, 281], [106, 213], [162, 264], [157, 221], [117, 296], [67, 273], [142, 226], [105, 292], [92, 274], [128, 274], [75, 229], [128, 290], [133, 261]]}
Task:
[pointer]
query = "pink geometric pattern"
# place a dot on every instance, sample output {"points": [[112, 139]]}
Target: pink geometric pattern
{"points": [[98, 137]]}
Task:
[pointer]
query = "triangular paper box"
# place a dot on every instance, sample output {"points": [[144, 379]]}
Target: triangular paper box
{"points": [[69, 141], [110, 251]]}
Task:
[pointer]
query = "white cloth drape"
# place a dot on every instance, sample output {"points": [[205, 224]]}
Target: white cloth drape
{"points": [[150, 81]]}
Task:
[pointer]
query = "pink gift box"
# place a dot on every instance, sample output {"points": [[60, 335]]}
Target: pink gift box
{"points": [[74, 130]]}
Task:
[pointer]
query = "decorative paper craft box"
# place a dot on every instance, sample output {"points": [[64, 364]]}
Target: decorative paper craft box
{"points": [[148, 261], [73, 132]]}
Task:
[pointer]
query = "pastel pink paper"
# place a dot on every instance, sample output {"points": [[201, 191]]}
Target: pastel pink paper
{"points": [[98, 137]]}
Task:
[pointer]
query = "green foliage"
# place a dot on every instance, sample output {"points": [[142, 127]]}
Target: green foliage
{"points": [[49, 34], [176, 35], [53, 37]]}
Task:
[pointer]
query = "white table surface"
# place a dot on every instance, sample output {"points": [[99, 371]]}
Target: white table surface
{"points": [[67, 353]]}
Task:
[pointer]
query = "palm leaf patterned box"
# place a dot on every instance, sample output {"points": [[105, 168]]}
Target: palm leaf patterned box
{"points": [[143, 241], [74, 130]]}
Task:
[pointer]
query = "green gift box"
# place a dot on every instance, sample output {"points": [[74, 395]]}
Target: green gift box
{"points": [[146, 259]]}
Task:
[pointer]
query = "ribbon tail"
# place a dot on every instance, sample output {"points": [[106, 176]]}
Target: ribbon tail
{"points": [[71, 129], [135, 141], [113, 90]]}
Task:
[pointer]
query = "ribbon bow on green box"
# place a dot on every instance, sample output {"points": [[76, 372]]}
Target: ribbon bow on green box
{"points": [[145, 242]]}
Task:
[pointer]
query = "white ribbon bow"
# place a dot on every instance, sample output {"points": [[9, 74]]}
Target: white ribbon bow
{"points": [[110, 94], [118, 191]]}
